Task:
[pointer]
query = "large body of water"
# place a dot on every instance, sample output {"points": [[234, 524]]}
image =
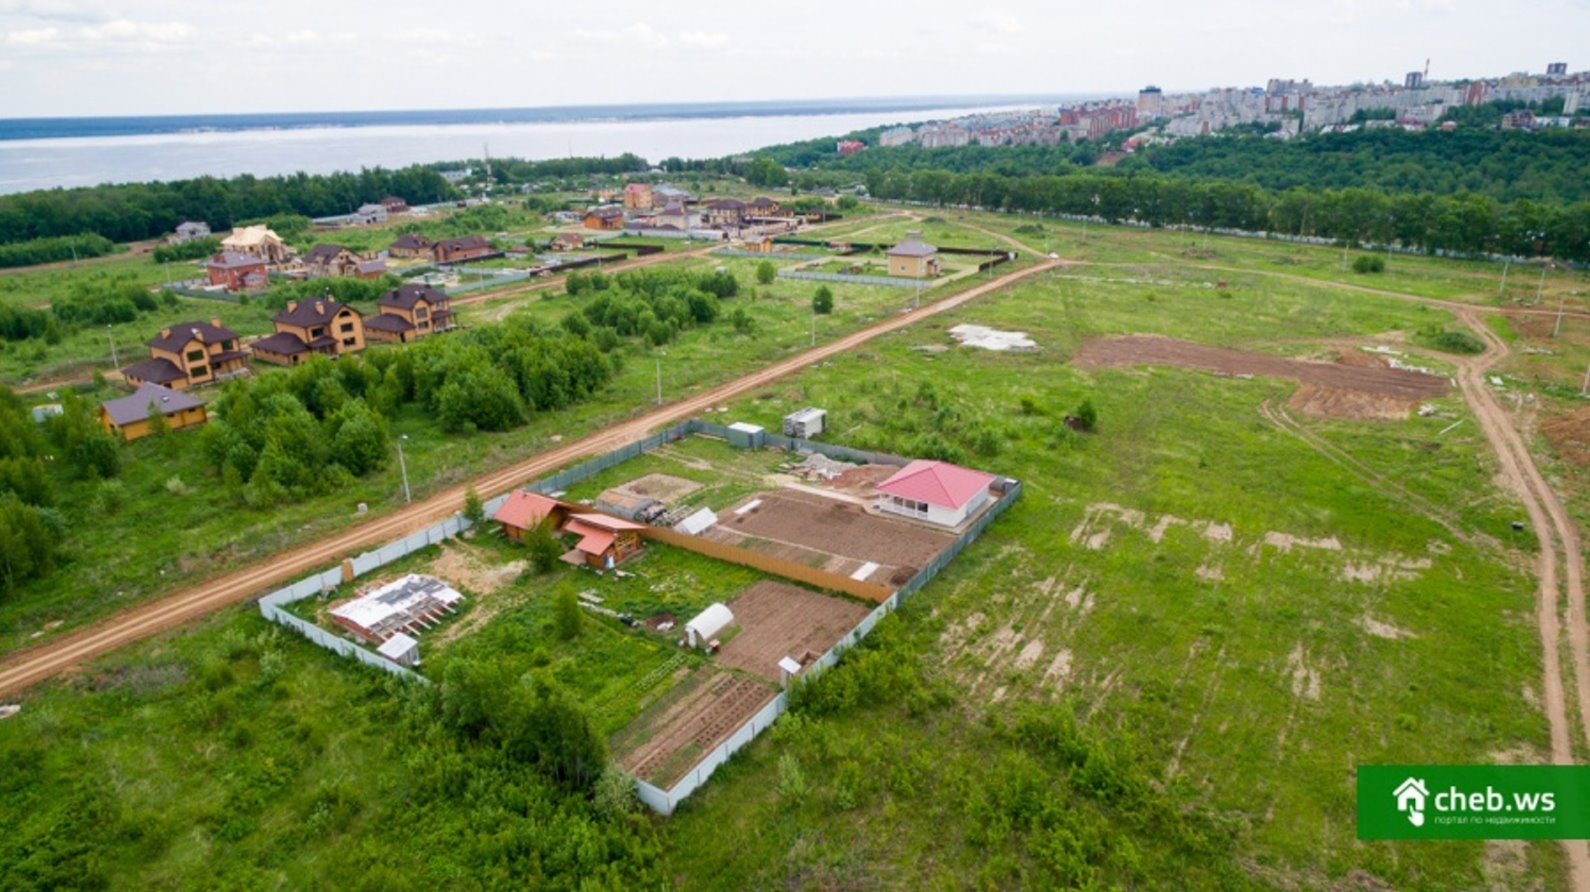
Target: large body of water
{"points": [[43, 153]]}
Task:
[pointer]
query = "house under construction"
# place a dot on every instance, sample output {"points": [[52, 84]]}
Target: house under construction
{"points": [[409, 605]]}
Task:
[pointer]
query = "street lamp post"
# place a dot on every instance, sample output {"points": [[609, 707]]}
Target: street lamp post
{"points": [[1503, 287], [1540, 289], [403, 466], [110, 333], [658, 360]]}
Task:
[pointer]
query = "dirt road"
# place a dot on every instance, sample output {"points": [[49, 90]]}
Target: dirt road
{"points": [[1554, 530], [27, 667]]}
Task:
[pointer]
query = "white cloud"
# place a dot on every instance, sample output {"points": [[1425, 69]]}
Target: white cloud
{"points": [[32, 37], [1000, 21], [312, 38], [143, 34], [704, 39], [639, 34], [54, 10], [432, 37]]}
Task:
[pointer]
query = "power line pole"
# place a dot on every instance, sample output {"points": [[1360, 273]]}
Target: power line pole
{"points": [[110, 333], [1561, 298], [403, 466], [658, 360], [1503, 287], [1585, 389]]}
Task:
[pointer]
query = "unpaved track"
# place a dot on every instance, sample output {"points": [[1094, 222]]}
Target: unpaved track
{"points": [[1553, 528], [27, 667]]}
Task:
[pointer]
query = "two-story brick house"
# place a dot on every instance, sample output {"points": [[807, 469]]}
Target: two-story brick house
{"points": [[236, 272], [189, 353], [409, 313], [322, 325]]}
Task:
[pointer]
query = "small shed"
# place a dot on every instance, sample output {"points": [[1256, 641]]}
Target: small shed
{"points": [[744, 435], [707, 624], [696, 523], [401, 649], [806, 423], [629, 505], [787, 670]]}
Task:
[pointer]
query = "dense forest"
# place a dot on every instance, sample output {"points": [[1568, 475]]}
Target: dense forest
{"points": [[1507, 165], [1461, 224], [133, 211]]}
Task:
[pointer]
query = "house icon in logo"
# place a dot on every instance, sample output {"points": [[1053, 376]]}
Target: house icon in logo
{"points": [[1410, 798]]}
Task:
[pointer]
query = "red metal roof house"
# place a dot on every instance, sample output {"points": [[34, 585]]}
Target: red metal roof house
{"points": [[935, 491]]}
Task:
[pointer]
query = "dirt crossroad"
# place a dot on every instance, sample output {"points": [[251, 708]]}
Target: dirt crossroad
{"points": [[27, 667]]}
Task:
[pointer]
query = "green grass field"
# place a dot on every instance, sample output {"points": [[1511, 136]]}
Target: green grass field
{"points": [[1158, 669]]}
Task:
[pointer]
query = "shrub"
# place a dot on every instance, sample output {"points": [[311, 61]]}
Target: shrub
{"points": [[765, 272], [823, 300], [1453, 341], [1087, 416], [1369, 263], [474, 509]]}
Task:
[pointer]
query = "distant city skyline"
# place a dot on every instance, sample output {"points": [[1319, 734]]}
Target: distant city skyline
{"points": [[157, 57]]}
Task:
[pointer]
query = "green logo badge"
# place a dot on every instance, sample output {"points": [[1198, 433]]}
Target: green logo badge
{"points": [[1474, 802]]}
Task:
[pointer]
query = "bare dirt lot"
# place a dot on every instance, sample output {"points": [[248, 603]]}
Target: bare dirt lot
{"points": [[805, 527], [668, 739], [1570, 436], [778, 620], [863, 480], [662, 487], [1353, 390]]}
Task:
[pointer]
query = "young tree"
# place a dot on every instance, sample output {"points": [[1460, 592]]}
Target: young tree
{"points": [[823, 300], [1087, 416], [544, 548], [474, 509], [765, 273], [566, 615]]}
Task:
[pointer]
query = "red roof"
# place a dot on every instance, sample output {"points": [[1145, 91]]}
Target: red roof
{"points": [[592, 540], [524, 509], [937, 483]]}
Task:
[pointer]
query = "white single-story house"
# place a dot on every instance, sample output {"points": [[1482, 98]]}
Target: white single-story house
{"points": [[935, 491]]}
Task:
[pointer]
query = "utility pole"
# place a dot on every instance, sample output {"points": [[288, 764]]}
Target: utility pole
{"points": [[814, 326], [658, 360], [1541, 288], [110, 333], [1561, 298], [1503, 287], [403, 466], [1584, 390]]}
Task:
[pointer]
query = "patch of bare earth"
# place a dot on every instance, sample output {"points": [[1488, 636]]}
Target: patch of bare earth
{"points": [[466, 569], [1350, 390]]}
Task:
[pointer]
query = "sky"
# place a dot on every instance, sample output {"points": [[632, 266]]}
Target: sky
{"points": [[115, 57]]}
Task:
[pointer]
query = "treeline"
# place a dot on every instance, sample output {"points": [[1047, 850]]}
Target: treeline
{"points": [[1507, 165], [193, 249], [53, 249], [1465, 224], [314, 428], [31, 529], [510, 171], [133, 211], [97, 301]]}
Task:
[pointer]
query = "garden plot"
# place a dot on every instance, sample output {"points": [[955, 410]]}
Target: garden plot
{"points": [[778, 620], [695, 716], [837, 535]]}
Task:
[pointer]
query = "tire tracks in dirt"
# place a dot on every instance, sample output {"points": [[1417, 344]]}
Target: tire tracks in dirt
{"points": [[1553, 528], [29, 666]]}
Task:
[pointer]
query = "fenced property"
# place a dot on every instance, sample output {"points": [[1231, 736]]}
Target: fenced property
{"points": [[271, 606], [678, 780], [853, 280]]}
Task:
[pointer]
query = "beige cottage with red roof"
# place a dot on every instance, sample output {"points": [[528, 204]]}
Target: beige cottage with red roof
{"points": [[935, 491], [524, 511]]}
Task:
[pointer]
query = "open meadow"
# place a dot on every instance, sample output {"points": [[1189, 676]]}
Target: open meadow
{"points": [[1160, 668]]}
